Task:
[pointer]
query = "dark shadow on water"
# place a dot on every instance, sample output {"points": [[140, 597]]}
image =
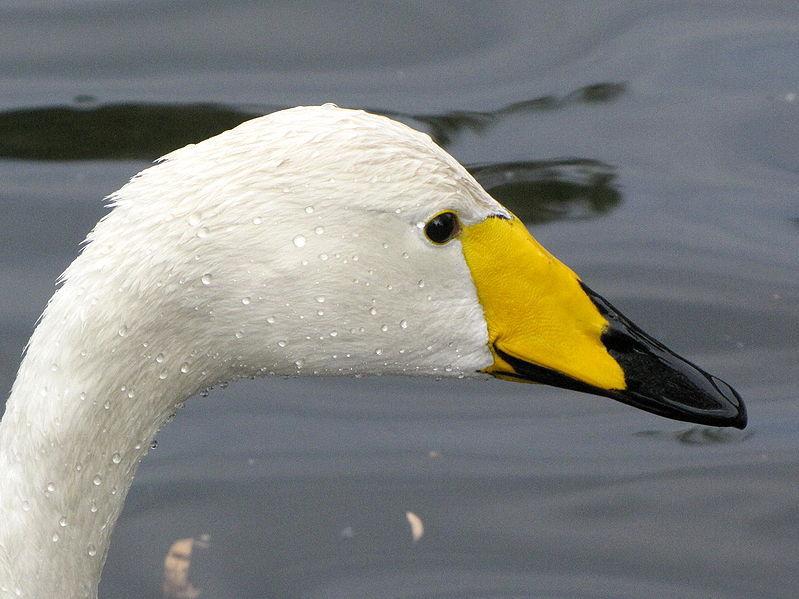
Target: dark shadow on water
{"points": [[444, 128], [112, 132], [544, 191], [537, 192], [91, 131], [699, 435]]}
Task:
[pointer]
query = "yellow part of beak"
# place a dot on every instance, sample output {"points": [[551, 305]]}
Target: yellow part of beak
{"points": [[534, 306]]}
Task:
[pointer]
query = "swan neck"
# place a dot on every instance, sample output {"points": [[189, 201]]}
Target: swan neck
{"points": [[88, 399]]}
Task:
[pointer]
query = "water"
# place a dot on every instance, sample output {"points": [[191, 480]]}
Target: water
{"points": [[651, 148]]}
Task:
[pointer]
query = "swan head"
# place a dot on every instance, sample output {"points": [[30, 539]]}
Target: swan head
{"points": [[319, 240]]}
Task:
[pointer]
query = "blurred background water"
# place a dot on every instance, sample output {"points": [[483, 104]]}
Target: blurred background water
{"points": [[653, 147]]}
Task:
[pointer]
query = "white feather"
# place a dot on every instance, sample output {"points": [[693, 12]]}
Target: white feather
{"points": [[288, 245]]}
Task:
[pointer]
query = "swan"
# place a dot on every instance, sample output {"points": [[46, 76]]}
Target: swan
{"points": [[311, 241]]}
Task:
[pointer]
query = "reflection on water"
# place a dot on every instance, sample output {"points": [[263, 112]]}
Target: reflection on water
{"points": [[147, 131], [443, 128], [539, 192], [536, 191], [700, 435], [113, 132]]}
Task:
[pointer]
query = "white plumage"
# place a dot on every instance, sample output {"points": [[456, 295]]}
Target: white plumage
{"points": [[288, 245]]}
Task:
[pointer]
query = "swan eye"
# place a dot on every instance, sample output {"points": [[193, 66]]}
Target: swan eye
{"points": [[442, 227]]}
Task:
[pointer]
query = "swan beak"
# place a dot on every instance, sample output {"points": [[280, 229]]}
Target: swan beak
{"points": [[545, 326]]}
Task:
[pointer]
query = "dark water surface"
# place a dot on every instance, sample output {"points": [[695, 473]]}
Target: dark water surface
{"points": [[654, 149]]}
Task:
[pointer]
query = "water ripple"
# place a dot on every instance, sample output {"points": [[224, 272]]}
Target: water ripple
{"points": [[700, 435], [87, 130]]}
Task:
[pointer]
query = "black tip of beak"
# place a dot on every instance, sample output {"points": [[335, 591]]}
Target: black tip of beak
{"points": [[656, 379], [660, 381], [738, 420]]}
